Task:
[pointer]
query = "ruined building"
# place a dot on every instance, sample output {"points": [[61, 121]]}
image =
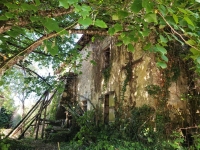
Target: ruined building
{"points": [[112, 78]]}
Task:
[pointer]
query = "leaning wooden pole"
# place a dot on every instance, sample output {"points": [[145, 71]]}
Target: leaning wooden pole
{"points": [[44, 118], [38, 119], [44, 105], [47, 102], [43, 123], [26, 116], [22, 134]]}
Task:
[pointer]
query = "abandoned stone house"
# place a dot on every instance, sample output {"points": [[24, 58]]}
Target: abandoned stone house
{"points": [[111, 74], [112, 79]]}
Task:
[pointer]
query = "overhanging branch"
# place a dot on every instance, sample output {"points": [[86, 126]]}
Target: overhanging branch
{"points": [[89, 31], [31, 71], [23, 21], [21, 55]]}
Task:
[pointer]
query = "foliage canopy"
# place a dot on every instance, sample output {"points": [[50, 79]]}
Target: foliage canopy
{"points": [[45, 31]]}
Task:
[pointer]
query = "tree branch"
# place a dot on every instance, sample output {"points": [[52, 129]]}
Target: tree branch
{"points": [[7, 25], [21, 55], [174, 31], [34, 73], [38, 52], [89, 31]]}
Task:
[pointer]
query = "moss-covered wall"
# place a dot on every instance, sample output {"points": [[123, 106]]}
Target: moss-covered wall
{"points": [[128, 75], [133, 77]]}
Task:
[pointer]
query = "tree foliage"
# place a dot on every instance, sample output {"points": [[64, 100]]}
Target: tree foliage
{"points": [[44, 31], [5, 118], [41, 28]]}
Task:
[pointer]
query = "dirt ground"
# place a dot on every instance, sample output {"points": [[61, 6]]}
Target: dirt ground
{"points": [[41, 145]]}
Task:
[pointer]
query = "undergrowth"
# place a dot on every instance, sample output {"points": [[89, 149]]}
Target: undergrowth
{"points": [[139, 132], [144, 129]]}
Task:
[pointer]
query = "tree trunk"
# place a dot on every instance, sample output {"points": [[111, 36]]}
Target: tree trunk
{"points": [[20, 56]]}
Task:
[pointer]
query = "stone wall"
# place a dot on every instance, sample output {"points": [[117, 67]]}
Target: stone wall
{"points": [[127, 76]]}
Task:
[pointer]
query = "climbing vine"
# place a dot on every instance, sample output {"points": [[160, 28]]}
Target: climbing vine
{"points": [[106, 73]]}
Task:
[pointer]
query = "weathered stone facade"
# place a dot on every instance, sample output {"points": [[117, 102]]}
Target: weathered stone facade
{"points": [[117, 74]]}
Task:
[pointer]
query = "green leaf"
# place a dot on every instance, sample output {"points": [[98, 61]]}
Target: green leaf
{"points": [[161, 64], [53, 50], [146, 32], [119, 43], [93, 39], [148, 5], [163, 39], [194, 57], [100, 23], [35, 18], [161, 49], [176, 38], [169, 37], [93, 62], [84, 14], [64, 4], [115, 17], [3, 18], [86, 8], [175, 18], [13, 33], [111, 31], [164, 58], [147, 47], [37, 2], [71, 1], [191, 42], [126, 40], [150, 18], [123, 34], [51, 24], [131, 48], [9, 15], [122, 14], [16, 31], [133, 36], [170, 10], [85, 22], [163, 10], [11, 6], [198, 60], [26, 6], [136, 6], [118, 27], [182, 10], [19, 30], [194, 51], [77, 7], [62, 31], [188, 20]]}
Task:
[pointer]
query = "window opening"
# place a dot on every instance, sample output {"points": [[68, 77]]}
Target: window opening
{"points": [[106, 109], [107, 57]]}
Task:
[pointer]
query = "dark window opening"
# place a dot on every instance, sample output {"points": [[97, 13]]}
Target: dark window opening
{"points": [[106, 109], [107, 57]]}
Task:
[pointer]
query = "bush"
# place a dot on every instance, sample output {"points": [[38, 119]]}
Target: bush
{"points": [[5, 117], [10, 144]]}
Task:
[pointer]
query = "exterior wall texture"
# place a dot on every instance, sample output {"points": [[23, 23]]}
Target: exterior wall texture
{"points": [[125, 77]]}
